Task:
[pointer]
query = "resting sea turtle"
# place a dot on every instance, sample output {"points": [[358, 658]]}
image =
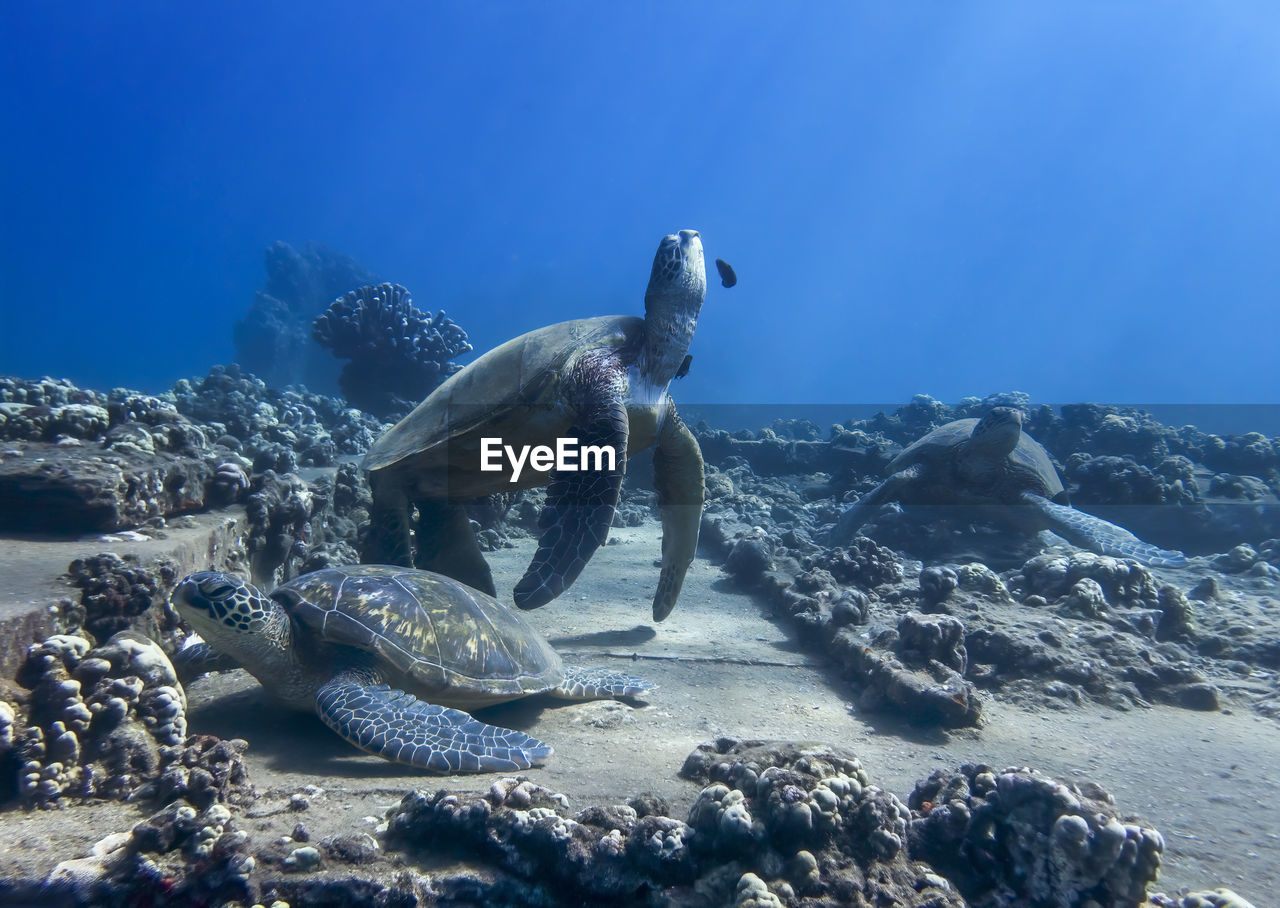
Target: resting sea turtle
{"points": [[389, 657], [602, 381], [991, 461]]}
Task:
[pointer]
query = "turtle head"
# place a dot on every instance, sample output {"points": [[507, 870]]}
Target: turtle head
{"points": [[229, 613], [998, 432], [677, 287]]}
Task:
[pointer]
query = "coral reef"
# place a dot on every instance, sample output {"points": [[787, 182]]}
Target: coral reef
{"points": [[269, 429], [396, 354], [123, 460], [273, 339], [775, 823], [1016, 837], [109, 722], [121, 593]]}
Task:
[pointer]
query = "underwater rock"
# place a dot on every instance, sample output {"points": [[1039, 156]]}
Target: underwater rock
{"points": [[1110, 480], [273, 339], [1017, 836], [827, 593], [397, 354], [189, 855], [776, 454], [80, 490], [920, 690], [937, 583], [280, 509], [862, 563], [229, 484]]}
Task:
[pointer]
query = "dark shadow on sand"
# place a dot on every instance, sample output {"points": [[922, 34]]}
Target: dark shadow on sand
{"points": [[641, 633]]}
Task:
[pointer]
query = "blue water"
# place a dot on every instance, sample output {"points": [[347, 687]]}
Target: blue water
{"points": [[1079, 201]]}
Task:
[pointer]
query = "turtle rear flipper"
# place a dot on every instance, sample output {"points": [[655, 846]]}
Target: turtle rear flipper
{"points": [[580, 503], [1101, 536], [398, 726], [679, 476], [599, 684], [447, 545], [388, 538]]}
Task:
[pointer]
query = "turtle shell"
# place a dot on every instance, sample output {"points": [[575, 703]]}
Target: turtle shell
{"points": [[504, 390], [430, 632], [1032, 471]]}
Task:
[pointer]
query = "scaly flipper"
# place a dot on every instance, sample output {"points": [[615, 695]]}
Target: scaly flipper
{"points": [[861, 510], [679, 475], [1101, 536], [599, 684], [580, 503], [398, 726], [387, 541], [200, 658]]}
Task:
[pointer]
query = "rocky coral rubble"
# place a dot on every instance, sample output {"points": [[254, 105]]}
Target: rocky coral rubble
{"points": [[78, 461], [108, 722], [1016, 837], [1050, 628], [808, 826], [775, 823]]}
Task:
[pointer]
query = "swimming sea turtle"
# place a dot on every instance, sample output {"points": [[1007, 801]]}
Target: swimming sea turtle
{"points": [[389, 657], [600, 381], [991, 461]]}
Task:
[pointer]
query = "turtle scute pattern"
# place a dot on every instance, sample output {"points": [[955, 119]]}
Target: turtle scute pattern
{"points": [[426, 626]]}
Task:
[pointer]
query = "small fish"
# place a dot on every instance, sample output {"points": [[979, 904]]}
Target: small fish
{"points": [[684, 366], [727, 277]]}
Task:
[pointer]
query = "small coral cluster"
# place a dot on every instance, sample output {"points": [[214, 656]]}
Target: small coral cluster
{"points": [[397, 354], [1016, 837], [108, 722], [774, 823]]}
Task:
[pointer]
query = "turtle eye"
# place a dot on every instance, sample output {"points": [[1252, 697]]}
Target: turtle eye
{"points": [[219, 591]]}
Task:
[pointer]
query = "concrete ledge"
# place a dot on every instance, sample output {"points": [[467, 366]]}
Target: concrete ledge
{"points": [[37, 599]]}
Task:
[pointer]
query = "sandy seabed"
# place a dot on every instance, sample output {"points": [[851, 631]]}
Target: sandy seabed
{"points": [[725, 669]]}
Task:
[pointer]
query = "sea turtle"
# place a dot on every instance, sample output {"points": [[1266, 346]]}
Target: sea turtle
{"points": [[389, 657], [991, 461], [600, 381]]}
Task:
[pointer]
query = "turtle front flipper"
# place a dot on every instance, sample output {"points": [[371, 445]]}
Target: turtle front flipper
{"points": [[1101, 536], [191, 662], [398, 726], [599, 684], [858, 513], [580, 503], [679, 475]]}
